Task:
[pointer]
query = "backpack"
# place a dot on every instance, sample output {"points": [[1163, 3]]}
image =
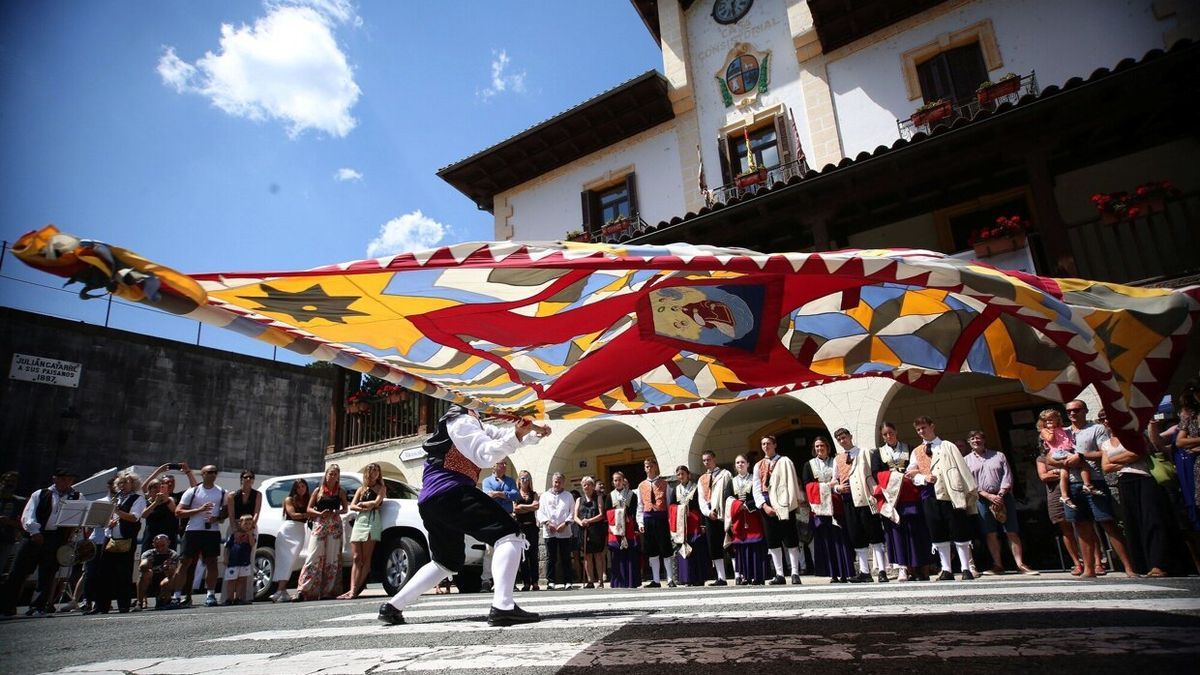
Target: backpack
{"points": [[222, 512]]}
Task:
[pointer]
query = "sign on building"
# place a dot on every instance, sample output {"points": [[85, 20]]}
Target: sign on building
{"points": [[45, 371]]}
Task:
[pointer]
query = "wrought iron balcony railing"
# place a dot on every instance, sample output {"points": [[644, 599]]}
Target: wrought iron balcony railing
{"points": [[1151, 249], [377, 422], [752, 183], [987, 98]]}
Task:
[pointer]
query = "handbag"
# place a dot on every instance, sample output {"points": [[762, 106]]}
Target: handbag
{"points": [[118, 546], [999, 512], [1162, 470]]}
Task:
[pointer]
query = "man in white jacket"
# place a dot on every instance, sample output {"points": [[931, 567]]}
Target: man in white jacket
{"points": [[948, 495], [777, 491], [715, 484], [451, 507]]}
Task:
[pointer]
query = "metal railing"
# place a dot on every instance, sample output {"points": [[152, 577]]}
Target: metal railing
{"points": [[778, 174], [379, 422], [615, 232], [988, 100], [1159, 244]]}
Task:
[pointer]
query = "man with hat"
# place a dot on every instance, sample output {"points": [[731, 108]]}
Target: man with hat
{"points": [[451, 507], [39, 549]]}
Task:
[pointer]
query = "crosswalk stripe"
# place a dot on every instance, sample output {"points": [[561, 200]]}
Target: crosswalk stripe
{"points": [[939, 646], [556, 621], [793, 593]]}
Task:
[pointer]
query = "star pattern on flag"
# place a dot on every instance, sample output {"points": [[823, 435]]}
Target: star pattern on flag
{"points": [[305, 306]]}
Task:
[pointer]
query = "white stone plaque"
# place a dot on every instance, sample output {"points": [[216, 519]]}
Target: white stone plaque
{"points": [[46, 371]]}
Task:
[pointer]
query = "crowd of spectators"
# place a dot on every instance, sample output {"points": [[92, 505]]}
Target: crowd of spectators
{"points": [[857, 515]]}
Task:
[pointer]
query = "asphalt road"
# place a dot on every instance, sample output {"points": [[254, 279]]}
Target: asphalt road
{"points": [[991, 625]]}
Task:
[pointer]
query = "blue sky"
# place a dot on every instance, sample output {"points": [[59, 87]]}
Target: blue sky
{"points": [[219, 136]]}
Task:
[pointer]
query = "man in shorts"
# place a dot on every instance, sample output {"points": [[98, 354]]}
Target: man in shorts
{"points": [[201, 505]]}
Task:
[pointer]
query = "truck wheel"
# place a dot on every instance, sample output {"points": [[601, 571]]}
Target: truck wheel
{"points": [[402, 557], [264, 569]]}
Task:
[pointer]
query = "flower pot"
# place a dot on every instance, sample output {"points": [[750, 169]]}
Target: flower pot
{"points": [[932, 115], [998, 90], [998, 245], [616, 227], [581, 238], [748, 179]]}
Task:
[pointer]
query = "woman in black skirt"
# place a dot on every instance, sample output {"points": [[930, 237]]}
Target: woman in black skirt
{"points": [[589, 516]]}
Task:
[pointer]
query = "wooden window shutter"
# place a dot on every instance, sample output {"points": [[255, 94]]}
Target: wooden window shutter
{"points": [[726, 165], [783, 136], [588, 208], [631, 190]]}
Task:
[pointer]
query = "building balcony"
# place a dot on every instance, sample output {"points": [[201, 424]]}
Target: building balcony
{"points": [[986, 98], [385, 420], [1155, 248], [750, 184], [612, 232]]}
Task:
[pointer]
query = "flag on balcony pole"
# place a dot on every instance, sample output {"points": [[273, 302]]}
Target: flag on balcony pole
{"points": [[574, 331], [750, 165]]}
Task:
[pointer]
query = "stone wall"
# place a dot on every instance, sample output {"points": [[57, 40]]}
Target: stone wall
{"points": [[145, 400]]}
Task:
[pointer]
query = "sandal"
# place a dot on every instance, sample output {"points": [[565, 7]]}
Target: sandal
{"points": [[1076, 570]]}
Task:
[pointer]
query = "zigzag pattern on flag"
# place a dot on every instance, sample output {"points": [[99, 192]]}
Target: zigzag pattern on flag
{"points": [[567, 330]]}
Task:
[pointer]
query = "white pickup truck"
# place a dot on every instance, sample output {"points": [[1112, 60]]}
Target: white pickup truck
{"points": [[404, 548]]}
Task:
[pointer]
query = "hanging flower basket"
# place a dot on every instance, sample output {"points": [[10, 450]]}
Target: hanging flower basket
{"points": [[990, 91], [932, 112], [753, 178], [1007, 234]]}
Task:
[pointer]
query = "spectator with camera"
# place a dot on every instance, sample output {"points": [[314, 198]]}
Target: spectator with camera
{"points": [[158, 566], [202, 505], [159, 516]]}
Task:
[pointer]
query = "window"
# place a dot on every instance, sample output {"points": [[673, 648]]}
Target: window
{"points": [[963, 225], [609, 201], [398, 490], [764, 143], [953, 74], [613, 203]]}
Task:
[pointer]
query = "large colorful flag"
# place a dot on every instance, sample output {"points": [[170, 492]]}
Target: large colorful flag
{"points": [[565, 330]]}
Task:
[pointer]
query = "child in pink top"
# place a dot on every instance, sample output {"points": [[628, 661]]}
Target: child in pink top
{"points": [[1059, 445]]}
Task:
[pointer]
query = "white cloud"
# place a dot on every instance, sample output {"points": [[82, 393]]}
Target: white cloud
{"points": [[410, 232], [346, 174], [287, 66], [501, 82]]}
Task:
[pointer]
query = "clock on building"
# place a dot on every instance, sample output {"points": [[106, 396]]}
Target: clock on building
{"points": [[730, 11]]}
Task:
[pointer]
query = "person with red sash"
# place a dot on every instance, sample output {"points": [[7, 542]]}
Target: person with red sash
{"points": [[856, 485], [744, 523], [687, 531], [715, 486], [625, 552], [899, 501], [653, 496], [948, 496], [831, 546], [777, 491]]}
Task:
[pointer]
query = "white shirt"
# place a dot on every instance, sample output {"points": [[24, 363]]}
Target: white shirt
{"points": [[29, 515], [195, 497], [485, 444], [713, 476], [759, 498], [138, 506], [555, 509]]}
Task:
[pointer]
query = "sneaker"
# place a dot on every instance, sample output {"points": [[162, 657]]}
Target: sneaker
{"points": [[210, 601], [777, 581], [795, 579], [390, 615], [652, 584], [903, 575], [510, 617], [946, 575], [966, 575], [487, 586], [719, 582], [882, 577]]}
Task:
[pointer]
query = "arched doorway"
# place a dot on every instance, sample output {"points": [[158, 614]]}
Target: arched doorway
{"points": [[737, 429], [597, 449]]}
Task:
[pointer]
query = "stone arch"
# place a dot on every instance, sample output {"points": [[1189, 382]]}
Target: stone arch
{"points": [[583, 442], [390, 470], [735, 429], [856, 404]]}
